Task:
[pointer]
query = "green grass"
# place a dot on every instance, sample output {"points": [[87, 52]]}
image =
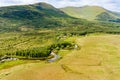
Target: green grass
{"points": [[86, 12], [9, 64], [89, 12], [10, 42]]}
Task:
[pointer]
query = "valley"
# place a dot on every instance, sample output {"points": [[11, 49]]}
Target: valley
{"points": [[41, 42], [97, 59]]}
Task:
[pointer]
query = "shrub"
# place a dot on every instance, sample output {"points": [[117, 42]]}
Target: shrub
{"points": [[62, 45]]}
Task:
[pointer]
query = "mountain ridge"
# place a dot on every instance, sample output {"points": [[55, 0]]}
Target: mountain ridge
{"points": [[45, 16], [34, 15], [90, 13]]}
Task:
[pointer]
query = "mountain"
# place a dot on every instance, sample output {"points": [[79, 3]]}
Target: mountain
{"points": [[39, 15], [91, 13], [30, 11]]}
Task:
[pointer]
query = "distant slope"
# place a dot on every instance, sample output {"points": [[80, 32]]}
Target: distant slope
{"points": [[90, 13], [86, 12]]}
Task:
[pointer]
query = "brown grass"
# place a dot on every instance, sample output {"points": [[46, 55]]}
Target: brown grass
{"points": [[98, 59]]}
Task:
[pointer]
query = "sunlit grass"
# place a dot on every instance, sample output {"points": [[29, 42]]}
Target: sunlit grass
{"points": [[97, 59]]}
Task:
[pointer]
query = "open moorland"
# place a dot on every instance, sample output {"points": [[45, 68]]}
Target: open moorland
{"points": [[97, 58]]}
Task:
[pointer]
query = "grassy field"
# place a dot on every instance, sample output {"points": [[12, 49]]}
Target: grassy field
{"points": [[13, 41], [97, 59]]}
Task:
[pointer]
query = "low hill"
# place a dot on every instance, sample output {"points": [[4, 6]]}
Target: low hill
{"points": [[91, 13]]}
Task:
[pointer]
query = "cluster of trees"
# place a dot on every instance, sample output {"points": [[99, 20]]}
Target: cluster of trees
{"points": [[62, 45], [43, 52], [34, 52]]}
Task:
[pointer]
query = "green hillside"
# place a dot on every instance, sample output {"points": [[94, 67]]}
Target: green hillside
{"points": [[44, 16], [40, 15], [90, 13]]}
